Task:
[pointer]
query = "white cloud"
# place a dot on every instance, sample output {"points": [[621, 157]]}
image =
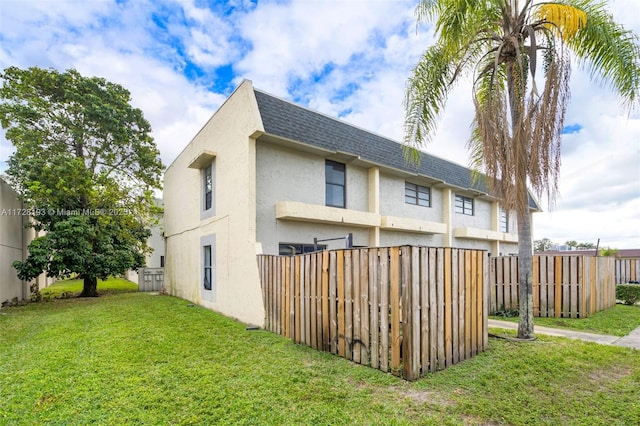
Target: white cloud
{"points": [[344, 58]]}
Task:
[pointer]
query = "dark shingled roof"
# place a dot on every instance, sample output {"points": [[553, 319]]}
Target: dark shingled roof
{"points": [[287, 120]]}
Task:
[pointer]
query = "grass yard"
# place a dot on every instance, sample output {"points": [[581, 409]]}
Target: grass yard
{"points": [[136, 358], [617, 321], [71, 288]]}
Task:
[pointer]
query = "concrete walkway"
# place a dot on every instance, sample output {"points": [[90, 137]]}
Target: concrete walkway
{"points": [[632, 340]]}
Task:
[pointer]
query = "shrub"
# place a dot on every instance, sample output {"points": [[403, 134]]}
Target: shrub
{"points": [[628, 293]]}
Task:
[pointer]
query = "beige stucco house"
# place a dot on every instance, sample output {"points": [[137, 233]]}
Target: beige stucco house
{"points": [[267, 176], [14, 240]]}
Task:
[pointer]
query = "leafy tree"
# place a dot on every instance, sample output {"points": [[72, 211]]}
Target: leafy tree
{"points": [[571, 244], [585, 246], [519, 111], [86, 166], [542, 245]]}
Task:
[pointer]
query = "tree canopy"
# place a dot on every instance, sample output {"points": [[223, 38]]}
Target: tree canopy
{"points": [[85, 166]]}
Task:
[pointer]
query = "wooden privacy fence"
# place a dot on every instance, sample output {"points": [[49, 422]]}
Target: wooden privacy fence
{"points": [[408, 310], [563, 286], [627, 270]]}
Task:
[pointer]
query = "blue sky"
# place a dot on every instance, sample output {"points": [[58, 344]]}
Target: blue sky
{"points": [[349, 59]]}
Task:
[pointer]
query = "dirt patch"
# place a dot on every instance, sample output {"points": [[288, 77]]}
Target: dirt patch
{"points": [[426, 397], [602, 377]]}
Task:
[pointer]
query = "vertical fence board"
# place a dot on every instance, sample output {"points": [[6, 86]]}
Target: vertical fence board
{"points": [[333, 301], [394, 301], [448, 348], [365, 308], [467, 304], [454, 266], [544, 283], [536, 286], [384, 309], [374, 324], [325, 302], [424, 311], [440, 306], [433, 310], [348, 305], [356, 343], [461, 305], [341, 302]]}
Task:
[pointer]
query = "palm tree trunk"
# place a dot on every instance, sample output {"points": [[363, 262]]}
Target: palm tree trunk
{"points": [[525, 248], [525, 277]]}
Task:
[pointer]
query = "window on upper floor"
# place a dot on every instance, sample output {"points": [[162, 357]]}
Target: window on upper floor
{"points": [[464, 205], [207, 186], [504, 221], [335, 178], [208, 190], [417, 194]]}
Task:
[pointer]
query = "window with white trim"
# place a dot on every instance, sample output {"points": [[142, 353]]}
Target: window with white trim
{"points": [[207, 276], [207, 187], [208, 267]]}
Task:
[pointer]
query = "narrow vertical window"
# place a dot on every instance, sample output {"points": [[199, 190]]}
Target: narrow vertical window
{"points": [[504, 221], [208, 187], [335, 184], [207, 276]]}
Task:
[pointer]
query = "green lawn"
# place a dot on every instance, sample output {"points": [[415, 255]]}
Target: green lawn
{"points": [[617, 321], [137, 358], [70, 288]]}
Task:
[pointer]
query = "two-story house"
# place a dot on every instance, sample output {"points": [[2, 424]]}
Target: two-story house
{"points": [[267, 176]]}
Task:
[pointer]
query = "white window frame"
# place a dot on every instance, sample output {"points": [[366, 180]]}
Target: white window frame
{"points": [[208, 241]]}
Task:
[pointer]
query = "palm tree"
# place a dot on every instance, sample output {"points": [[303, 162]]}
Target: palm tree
{"points": [[519, 111]]}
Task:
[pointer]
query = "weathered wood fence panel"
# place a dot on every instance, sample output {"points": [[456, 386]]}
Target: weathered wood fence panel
{"points": [[627, 270], [563, 286], [408, 310]]}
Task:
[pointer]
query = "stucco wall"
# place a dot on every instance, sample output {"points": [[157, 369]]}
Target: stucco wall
{"points": [[392, 201], [11, 243], [227, 135]]}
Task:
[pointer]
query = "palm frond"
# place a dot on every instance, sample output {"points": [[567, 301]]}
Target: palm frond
{"points": [[606, 49], [565, 19], [426, 95]]}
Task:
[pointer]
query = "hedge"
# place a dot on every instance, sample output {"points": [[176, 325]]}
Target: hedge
{"points": [[628, 293]]}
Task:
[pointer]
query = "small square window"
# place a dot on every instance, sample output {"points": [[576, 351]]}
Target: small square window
{"points": [[464, 205], [417, 194]]}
